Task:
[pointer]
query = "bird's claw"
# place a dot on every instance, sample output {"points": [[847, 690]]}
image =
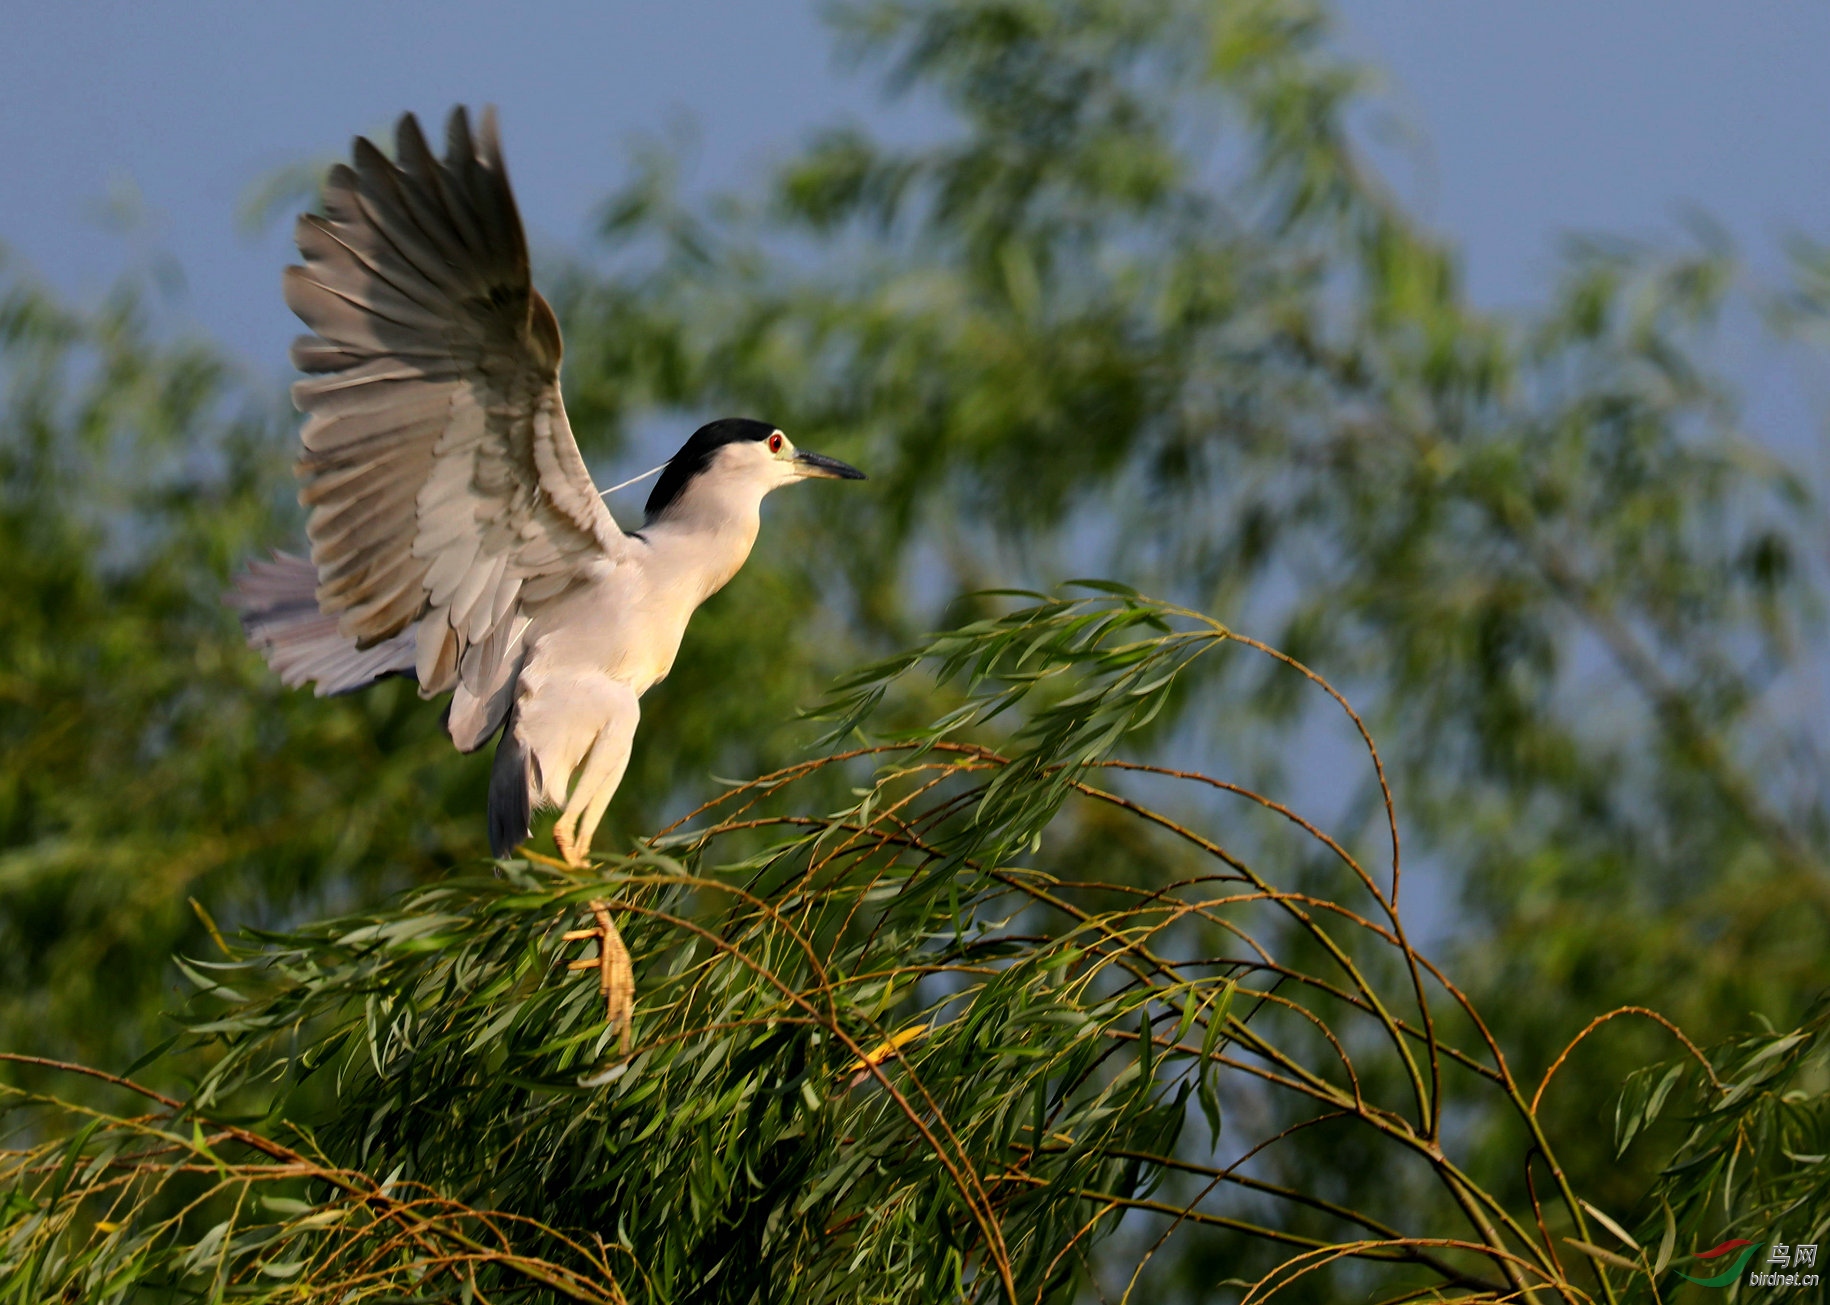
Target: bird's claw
{"points": [[615, 973]]}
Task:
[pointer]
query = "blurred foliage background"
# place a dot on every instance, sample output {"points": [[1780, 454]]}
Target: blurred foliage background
{"points": [[1143, 314]]}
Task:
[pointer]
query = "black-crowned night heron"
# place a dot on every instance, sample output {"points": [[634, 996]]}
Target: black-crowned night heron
{"points": [[456, 536]]}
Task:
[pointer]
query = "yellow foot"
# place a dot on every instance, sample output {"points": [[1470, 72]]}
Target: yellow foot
{"points": [[573, 853], [615, 975]]}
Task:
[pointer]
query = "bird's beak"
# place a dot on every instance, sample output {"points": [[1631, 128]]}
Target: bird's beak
{"points": [[818, 464]]}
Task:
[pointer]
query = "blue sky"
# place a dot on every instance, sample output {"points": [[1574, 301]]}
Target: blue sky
{"points": [[1556, 115], [1533, 120], [1529, 119], [188, 104]]}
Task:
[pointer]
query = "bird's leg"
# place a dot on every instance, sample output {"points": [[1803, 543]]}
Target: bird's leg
{"points": [[597, 780], [574, 851], [615, 973], [594, 810], [605, 761], [562, 838], [565, 829]]}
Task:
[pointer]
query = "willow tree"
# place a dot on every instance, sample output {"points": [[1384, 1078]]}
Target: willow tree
{"points": [[932, 1045]]}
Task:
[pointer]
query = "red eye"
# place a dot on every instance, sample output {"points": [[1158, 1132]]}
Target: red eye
{"points": [[775, 442]]}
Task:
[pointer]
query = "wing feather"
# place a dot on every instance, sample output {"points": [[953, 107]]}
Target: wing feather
{"points": [[360, 384], [328, 480], [446, 491], [417, 410], [321, 242], [448, 568]]}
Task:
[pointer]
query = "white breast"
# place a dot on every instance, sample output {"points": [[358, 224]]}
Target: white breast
{"points": [[628, 620]]}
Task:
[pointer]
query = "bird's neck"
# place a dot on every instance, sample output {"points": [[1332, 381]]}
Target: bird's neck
{"points": [[706, 536]]}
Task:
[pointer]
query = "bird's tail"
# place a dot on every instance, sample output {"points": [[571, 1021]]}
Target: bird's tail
{"points": [[510, 796], [278, 604]]}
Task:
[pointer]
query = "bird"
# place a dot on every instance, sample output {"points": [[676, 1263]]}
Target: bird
{"points": [[456, 536]]}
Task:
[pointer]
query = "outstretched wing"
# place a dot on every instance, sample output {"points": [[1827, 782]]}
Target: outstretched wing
{"points": [[444, 485]]}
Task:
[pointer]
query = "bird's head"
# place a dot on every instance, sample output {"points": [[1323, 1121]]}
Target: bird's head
{"points": [[736, 455]]}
